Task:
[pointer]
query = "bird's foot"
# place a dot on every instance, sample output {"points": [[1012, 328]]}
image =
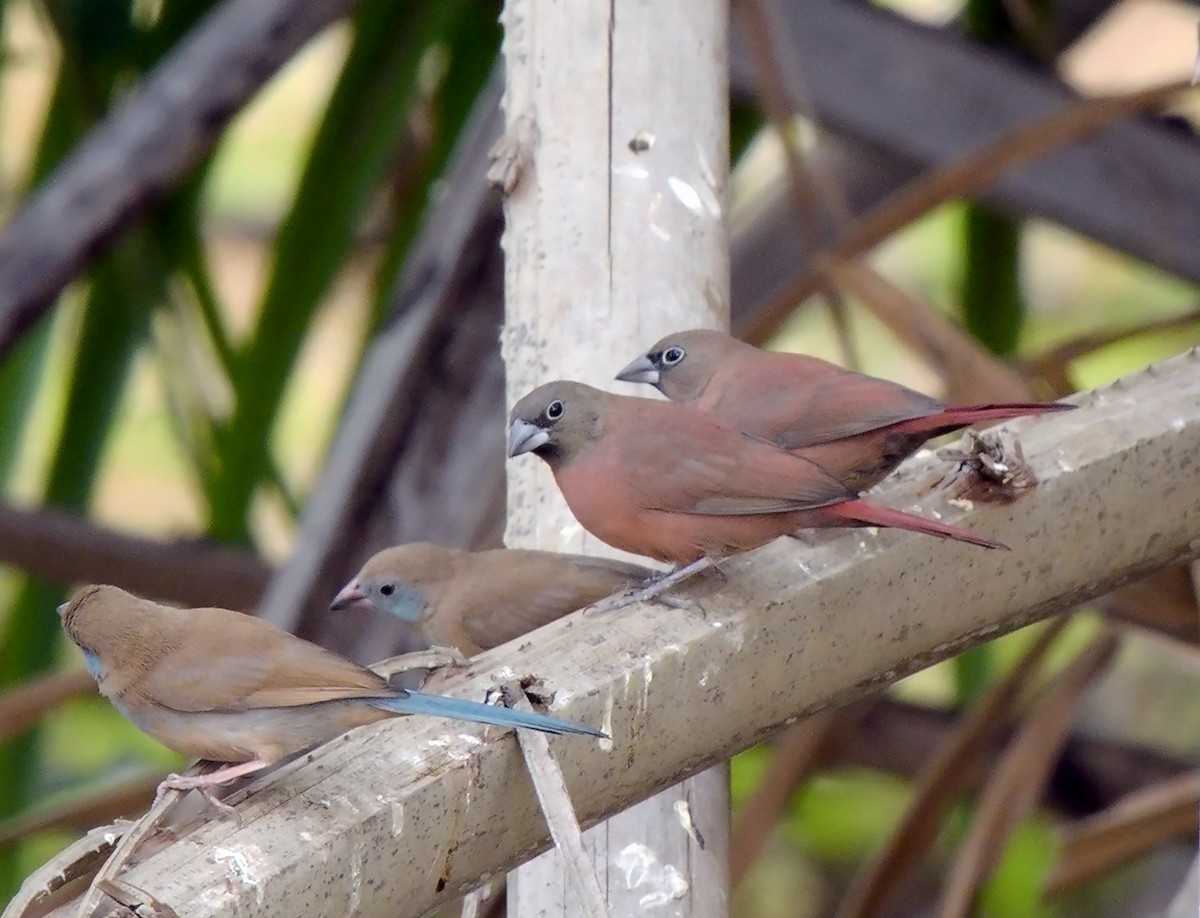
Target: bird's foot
{"points": [[205, 783], [448, 657], [222, 806], [433, 658], [656, 589]]}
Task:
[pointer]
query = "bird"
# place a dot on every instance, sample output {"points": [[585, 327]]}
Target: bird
{"points": [[672, 483], [473, 601], [855, 426], [224, 686]]}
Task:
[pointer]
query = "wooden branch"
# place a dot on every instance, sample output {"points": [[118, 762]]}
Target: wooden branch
{"points": [[146, 147], [64, 548], [405, 814]]}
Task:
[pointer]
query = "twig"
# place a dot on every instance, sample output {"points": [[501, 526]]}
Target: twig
{"points": [[970, 373], [1093, 846], [75, 862], [66, 549], [559, 812], [794, 756], [944, 777], [124, 851], [970, 175], [778, 91], [1020, 776], [24, 705]]}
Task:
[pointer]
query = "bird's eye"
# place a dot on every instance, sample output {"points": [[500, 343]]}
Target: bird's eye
{"points": [[388, 589], [554, 410], [673, 355]]}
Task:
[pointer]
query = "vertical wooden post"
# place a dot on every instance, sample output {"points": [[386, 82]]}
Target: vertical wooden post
{"points": [[617, 152]]}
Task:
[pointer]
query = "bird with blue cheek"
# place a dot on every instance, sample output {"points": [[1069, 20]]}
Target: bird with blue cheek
{"points": [[473, 601], [228, 687]]}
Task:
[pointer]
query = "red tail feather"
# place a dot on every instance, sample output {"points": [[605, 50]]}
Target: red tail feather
{"points": [[950, 418], [870, 514]]}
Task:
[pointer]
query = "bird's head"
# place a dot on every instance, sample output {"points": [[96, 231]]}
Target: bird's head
{"points": [[399, 580], [556, 420], [681, 365]]}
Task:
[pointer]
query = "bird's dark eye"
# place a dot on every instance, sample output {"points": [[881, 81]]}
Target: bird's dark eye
{"points": [[554, 410], [673, 355], [388, 589]]}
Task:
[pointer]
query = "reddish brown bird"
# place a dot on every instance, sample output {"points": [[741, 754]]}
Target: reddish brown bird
{"points": [[670, 482], [855, 426]]}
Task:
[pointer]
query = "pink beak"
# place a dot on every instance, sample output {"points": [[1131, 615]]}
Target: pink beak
{"points": [[350, 596]]}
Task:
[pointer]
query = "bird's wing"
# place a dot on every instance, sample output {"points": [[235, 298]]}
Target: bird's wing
{"points": [[796, 401], [684, 461], [504, 596], [220, 660]]}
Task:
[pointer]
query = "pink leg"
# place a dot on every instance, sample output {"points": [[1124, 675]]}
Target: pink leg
{"points": [[220, 776], [206, 783]]}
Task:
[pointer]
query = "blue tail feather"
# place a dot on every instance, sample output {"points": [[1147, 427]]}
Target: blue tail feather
{"points": [[458, 708]]}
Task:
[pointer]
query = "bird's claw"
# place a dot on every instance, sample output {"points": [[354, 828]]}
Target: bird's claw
{"points": [[184, 783]]}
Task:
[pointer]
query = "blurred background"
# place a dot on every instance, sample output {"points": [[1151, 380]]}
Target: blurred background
{"points": [[165, 422]]}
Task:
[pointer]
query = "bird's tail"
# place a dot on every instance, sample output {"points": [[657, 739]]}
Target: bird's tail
{"points": [[868, 514], [460, 709], [954, 418]]}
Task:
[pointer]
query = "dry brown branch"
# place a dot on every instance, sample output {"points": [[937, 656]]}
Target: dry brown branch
{"points": [[168, 123], [970, 372], [970, 175], [1135, 825], [1054, 365], [1164, 602], [61, 547], [374, 815], [946, 775], [1020, 776], [1093, 773], [24, 705], [794, 756]]}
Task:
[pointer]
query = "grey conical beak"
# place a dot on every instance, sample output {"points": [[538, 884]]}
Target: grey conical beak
{"points": [[524, 437], [641, 370]]}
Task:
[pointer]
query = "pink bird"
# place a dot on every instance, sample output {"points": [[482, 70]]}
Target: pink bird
{"points": [[856, 427], [673, 483]]}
